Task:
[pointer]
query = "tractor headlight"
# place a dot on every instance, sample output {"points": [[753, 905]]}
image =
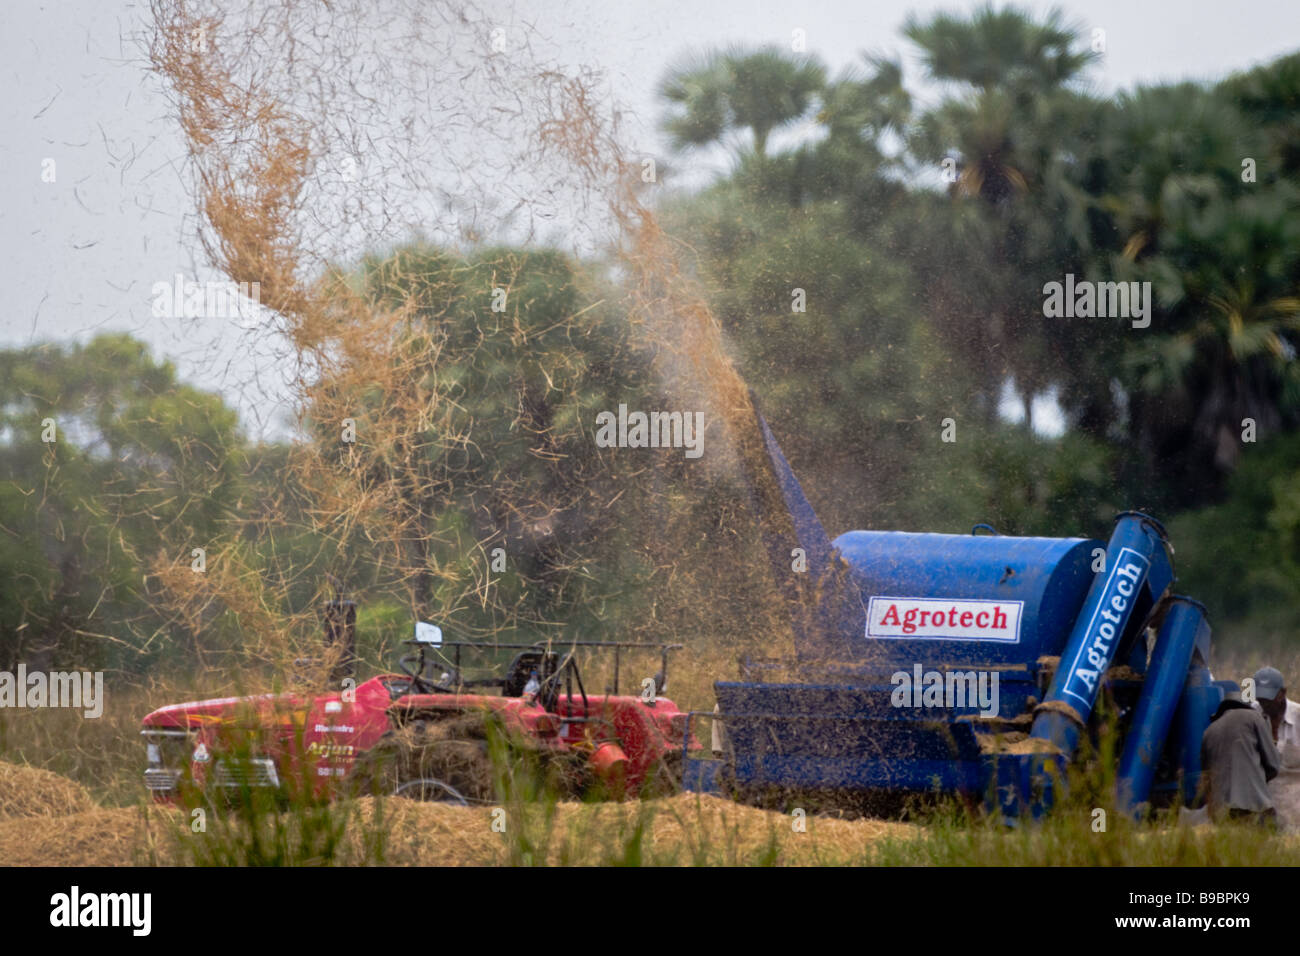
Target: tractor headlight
{"points": [[167, 753]]}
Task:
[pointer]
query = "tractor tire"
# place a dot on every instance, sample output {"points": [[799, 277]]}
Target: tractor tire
{"points": [[444, 761]]}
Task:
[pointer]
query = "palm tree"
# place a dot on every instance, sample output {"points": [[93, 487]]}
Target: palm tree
{"points": [[1269, 96], [738, 89], [1017, 129], [1228, 350], [999, 49], [1222, 257], [862, 106], [1021, 70]]}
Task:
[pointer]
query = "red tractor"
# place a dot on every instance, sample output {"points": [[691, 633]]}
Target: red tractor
{"points": [[411, 734]]}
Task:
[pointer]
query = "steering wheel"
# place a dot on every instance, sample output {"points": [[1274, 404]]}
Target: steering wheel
{"points": [[548, 695], [412, 666]]}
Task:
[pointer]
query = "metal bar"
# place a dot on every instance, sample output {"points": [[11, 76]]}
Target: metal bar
{"points": [[539, 645], [826, 716]]}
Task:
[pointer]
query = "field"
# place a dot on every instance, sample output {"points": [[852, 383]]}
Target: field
{"points": [[683, 830], [70, 794]]}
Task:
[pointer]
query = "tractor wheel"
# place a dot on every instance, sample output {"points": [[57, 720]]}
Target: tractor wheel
{"points": [[430, 790], [444, 761]]}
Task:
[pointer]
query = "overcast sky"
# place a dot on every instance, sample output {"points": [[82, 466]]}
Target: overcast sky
{"points": [[81, 253]]}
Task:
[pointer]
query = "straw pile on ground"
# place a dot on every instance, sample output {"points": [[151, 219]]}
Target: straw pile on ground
{"points": [[680, 830], [104, 837], [684, 829], [30, 792]]}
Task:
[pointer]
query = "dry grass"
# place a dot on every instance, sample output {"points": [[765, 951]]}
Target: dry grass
{"points": [[51, 821], [687, 829], [27, 792], [105, 755], [1237, 662], [103, 837], [47, 820], [677, 830]]}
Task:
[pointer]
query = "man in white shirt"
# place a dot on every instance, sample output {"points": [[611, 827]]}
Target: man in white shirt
{"points": [[1283, 718]]}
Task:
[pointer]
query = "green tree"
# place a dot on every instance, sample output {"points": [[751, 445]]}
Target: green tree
{"points": [[480, 437], [1013, 138], [738, 89], [107, 460], [1223, 260]]}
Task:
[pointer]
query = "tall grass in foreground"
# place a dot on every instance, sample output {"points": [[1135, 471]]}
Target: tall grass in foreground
{"points": [[260, 826], [1067, 839], [602, 830], [305, 833]]}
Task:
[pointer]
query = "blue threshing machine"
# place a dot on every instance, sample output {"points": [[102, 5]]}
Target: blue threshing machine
{"points": [[962, 663]]}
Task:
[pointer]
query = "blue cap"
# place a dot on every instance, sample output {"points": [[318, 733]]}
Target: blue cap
{"points": [[1268, 683]]}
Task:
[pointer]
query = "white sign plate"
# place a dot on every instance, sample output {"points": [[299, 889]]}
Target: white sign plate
{"points": [[944, 619]]}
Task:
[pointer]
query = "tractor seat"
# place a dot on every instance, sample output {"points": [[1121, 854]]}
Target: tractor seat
{"points": [[517, 674]]}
